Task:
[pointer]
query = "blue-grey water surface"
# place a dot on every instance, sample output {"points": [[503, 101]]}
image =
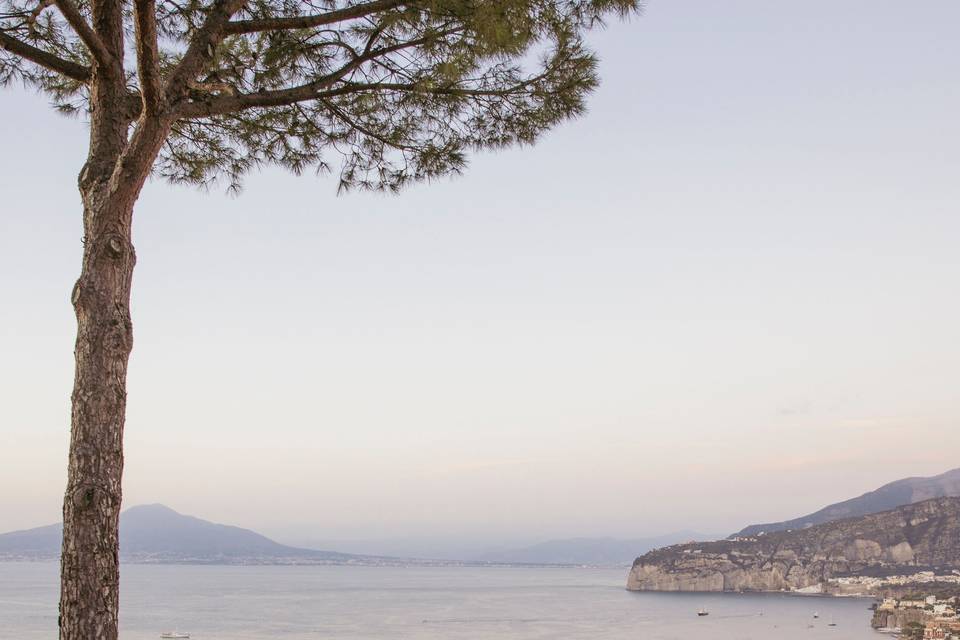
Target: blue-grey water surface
{"points": [[297, 603]]}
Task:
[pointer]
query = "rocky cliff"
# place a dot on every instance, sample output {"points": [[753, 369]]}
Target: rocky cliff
{"points": [[898, 618], [903, 540]]}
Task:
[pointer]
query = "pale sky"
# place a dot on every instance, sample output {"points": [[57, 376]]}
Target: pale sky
{"points": [[728, 294]]}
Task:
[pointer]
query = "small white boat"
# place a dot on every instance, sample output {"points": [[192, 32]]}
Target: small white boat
{"points": [[703, 612], [170, 635]]}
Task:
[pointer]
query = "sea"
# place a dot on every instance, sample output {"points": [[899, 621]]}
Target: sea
{"points": [[417, 603]]}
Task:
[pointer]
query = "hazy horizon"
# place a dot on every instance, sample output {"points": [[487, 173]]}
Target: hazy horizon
{"points": [[725, 295], [453, 547]]}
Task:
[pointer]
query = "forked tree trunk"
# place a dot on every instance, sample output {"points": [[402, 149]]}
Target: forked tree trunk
{"points": [[101, 299]]}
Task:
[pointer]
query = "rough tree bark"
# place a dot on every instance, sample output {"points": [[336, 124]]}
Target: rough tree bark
{"points": [[101, 300], [91, 506]]}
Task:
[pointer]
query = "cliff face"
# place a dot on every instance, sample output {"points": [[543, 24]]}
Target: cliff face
{"points": [[921, 535], [898, 619]]}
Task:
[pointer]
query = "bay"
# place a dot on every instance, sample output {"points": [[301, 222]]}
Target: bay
{"points": [[456, 603]]}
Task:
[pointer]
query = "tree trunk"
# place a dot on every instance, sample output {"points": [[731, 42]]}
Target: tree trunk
{"points": [[117, 166], [89, 602], [110, 184]]}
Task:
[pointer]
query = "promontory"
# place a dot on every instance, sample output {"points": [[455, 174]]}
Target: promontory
{"points": [[851, 555]]}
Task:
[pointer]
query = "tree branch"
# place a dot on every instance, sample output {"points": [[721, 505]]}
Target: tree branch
{"points": [[145, 19], [202, 47], [135, 162], [45, 59], [310, 91], [353, 124], [221, 105], [307, 22], [93, 42]]}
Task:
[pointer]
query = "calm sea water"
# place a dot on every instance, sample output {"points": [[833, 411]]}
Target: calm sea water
{"points": [[297, 603]]}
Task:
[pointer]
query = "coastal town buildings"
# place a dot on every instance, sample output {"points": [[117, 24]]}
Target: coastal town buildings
{"points": [[870, 585], [930, 617]]}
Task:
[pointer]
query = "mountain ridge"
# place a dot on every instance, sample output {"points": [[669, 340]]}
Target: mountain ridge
{"points": [[157, 533], [889, 496]]}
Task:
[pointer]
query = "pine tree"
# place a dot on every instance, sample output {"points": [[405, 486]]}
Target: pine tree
{"points": [[386, 92]]}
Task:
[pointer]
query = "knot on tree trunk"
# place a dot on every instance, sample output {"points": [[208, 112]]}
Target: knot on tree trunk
{"points": [[115, 246], [87, 496]]}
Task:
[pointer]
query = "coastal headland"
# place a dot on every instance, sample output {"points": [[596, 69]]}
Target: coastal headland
{"points": [[854, 556]]}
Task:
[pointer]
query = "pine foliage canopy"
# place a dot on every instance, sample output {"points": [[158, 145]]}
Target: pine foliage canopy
{"points": [[384, 91]]}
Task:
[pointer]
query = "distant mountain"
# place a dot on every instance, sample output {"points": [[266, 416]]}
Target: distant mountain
{"points": [[155, 533], [42, 542], [889, 496], [588, 551]]}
